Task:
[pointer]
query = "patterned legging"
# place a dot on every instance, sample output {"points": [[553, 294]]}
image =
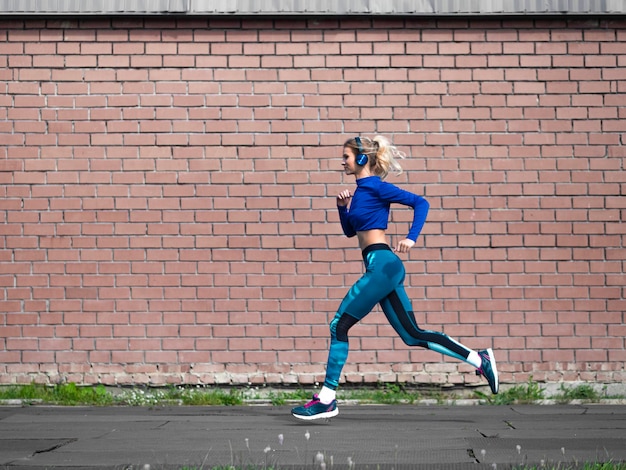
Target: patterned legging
{"points": [[382, 283]]}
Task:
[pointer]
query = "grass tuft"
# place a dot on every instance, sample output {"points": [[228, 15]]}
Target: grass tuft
{"points": [[530, 392], [582, 392], [63, 394]]}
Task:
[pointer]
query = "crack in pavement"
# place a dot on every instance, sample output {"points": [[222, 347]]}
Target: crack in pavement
{"points": [[55, 447]]}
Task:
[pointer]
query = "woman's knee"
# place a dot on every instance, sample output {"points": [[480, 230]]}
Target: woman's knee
{"points": [[412, 341], [340, 326]]}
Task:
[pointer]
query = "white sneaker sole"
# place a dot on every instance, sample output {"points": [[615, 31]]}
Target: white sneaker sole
{"points": [[494, 368]]}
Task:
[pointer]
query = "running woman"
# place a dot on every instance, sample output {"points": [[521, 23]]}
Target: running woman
{"points": [[365, 214]]}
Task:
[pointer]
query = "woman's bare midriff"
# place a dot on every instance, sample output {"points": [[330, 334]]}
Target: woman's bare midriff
{"points": [[370, 237]]}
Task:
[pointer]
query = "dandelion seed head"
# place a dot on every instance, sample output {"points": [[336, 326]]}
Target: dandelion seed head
{"points": [[563, 450], [483, 452], [542, 463], [267, 449], [519, 448], [307, 435], [281, 438], [494, 466], [319, 458]]}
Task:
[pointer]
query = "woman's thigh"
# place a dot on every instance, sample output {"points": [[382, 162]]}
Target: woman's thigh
{"points": [[384, 274]]}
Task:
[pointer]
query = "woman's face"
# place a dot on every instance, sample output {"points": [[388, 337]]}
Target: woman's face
{"points": [[349, 161]]}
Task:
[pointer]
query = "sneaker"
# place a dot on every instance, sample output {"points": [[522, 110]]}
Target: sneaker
{"points": [[488, 369], [315, 409]]}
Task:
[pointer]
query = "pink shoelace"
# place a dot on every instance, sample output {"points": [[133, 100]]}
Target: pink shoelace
{"points": [[315, 401]]}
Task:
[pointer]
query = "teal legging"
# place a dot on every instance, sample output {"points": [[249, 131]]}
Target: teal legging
{"points": [[382, 283]]}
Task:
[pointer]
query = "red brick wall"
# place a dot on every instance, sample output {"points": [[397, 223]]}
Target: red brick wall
{"points": [[167, 195]]}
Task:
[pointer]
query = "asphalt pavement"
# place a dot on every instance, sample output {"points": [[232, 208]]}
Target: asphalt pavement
{"points": [[264, 437]]}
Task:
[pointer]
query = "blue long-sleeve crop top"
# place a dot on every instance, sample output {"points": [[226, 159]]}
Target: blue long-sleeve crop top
{"points": [[370, 204]]}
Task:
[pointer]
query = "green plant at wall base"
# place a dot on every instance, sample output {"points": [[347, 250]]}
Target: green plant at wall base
{"points": [[213, 397], [61, 394], [277, 399], [70, 394], [195, 396], [383, 393], [580, 392], [282, 397], [21, 392], [529, 392], [386, 393]]}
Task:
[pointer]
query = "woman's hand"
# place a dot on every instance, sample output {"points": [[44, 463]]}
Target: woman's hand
{"points": [[404, 245], [343, 198]]}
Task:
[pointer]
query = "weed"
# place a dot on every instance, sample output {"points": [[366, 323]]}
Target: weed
{"points": [[62, 394], [520, 394], [68, 394], [199, 396], [212, 397], [71, 394], [277, 399], [388, 394], [580, 392]]}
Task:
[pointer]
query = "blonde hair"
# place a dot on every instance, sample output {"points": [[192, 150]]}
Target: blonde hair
{"points": [[382, 156]]}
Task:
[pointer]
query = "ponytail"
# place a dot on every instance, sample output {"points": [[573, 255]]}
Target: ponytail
{"points": [[387, 157]]}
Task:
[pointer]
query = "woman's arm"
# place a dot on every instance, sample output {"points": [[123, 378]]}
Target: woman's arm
{"points": [[393, 194]]}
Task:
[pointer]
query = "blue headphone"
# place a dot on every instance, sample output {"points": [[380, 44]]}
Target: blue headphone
{"points": [[361, 157]]}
